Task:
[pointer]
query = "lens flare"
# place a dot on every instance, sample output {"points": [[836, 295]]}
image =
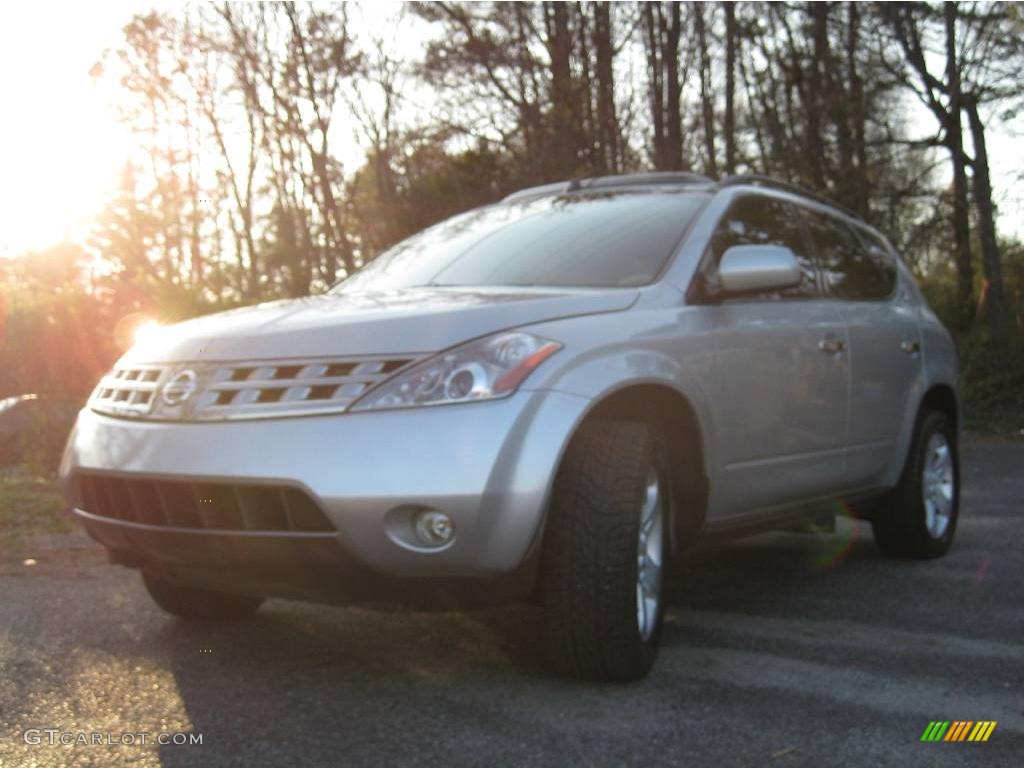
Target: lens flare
{"points": [[135, 328], [833, 547], [146, 330]]}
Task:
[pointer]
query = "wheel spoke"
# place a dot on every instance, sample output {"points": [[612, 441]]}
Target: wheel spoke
{"points": [[652, 552], [649, 555], [649, 579], [929, 515], [937, 489], [641, 606]]}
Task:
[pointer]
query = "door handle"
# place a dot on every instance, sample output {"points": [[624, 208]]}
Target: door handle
{"points": [[910, 347], [832, 346]]}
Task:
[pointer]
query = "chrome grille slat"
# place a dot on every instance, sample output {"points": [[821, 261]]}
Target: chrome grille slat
{"points": [[134, 386], [247, 389], [128, 390], [262, 411], [277, 383]]}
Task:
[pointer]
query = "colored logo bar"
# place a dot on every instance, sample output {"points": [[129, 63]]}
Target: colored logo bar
{"points": [[958, 730]]}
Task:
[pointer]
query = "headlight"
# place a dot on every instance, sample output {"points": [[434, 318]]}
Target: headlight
{"points": [[480, 370]]}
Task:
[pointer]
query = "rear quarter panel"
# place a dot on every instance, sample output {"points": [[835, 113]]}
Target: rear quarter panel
{"points": [[940, 366]]}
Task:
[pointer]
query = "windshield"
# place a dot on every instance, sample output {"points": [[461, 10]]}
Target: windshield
{"points": [[599, 239]]}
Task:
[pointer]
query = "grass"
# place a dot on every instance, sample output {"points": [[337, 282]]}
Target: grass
{"points": [[31, 505]]}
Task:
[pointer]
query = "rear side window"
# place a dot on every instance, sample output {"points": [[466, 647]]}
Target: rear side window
{"points": [[881, 256], [852, 269], [756, 220]]}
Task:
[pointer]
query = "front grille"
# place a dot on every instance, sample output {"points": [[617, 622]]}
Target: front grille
{"points": [[205, 506], [263, 389], [245, 390], [128, 390]]}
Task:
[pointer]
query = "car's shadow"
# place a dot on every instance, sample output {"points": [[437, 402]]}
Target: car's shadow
{"points": [[780, 574], [340, 675]]}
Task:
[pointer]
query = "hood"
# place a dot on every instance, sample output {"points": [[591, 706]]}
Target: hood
{"points": [[408, 320]]}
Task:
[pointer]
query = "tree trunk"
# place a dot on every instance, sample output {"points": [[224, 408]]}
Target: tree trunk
{"points": [[563, 128], [590, 135], [903, 19], [608, 129], [526, 104], [195, 255], [729, 127], [859, 113], [994, 310], [837, 100], [673, 115], [757, 120], [654, 69], [814, 96], [955, 144], [707, 105]]}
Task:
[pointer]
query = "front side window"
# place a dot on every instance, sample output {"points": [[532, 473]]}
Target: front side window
{"points": [[852, 269], [591, 239], [758, 220]]}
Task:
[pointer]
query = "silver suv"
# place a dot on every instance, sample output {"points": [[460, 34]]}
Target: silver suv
{"points": [[543, 399]]}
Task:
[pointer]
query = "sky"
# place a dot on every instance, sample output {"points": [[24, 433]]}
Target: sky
{"points": [[60, 141], [61, 145]]}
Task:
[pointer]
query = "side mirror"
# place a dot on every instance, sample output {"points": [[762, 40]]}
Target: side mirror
{"points": [[746, 268]]}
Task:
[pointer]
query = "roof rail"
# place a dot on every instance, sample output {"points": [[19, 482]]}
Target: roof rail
{"points": [[605, 182], [757, 179], [544, 189], [639, 179]]}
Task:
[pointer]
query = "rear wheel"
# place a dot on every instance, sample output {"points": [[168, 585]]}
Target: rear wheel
{"points": [[919, 517], [198, 604], [604, 551]]}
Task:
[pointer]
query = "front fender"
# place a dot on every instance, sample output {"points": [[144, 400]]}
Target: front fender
{"points": [[597, 375]]}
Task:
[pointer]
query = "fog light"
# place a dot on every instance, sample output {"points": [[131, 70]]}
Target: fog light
{"points": [[434, 528]]}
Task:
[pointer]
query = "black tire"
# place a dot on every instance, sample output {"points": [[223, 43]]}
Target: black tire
{"points": [[590, 554], [899, 522], [199, 604]]}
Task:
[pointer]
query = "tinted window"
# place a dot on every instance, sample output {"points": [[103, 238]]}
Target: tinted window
{"points": [[753, 220], [880, 255], [851, 270], [591, 240]]}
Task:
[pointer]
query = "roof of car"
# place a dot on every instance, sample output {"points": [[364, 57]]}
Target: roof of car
{"points": [[675, 179], [655, 179]]}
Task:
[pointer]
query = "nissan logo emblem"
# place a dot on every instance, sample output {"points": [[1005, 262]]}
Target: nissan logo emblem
{"points": [[180, 388]]}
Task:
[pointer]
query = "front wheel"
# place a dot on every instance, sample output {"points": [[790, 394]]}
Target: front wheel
{"points": [[918, 518], [603, 555], [198, 604]]}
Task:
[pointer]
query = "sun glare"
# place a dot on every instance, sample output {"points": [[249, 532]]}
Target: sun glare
{"points": [[61, 145], [146, 331]]}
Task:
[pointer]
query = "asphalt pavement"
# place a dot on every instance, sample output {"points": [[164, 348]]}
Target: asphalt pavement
{"points": [[781, 650]]}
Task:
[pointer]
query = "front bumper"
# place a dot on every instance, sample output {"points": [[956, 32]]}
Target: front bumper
{"points": [[488, 465]]}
